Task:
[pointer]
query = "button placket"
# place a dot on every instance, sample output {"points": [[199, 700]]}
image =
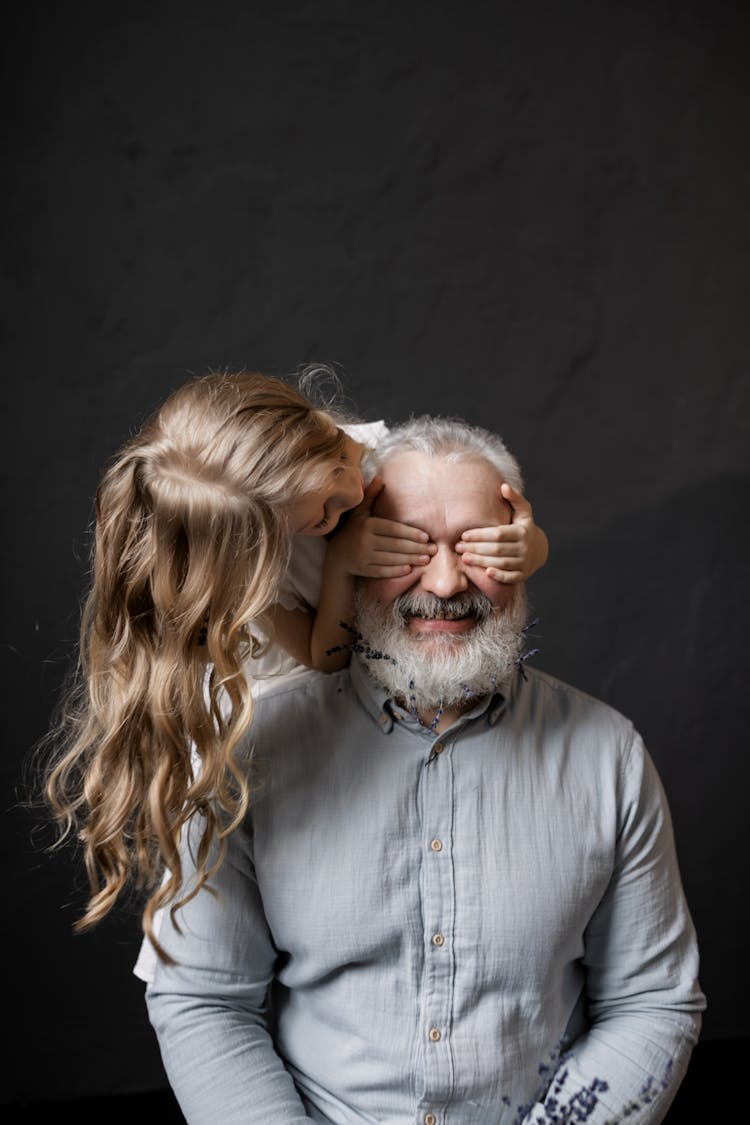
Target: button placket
{"points": [[437, 802]]}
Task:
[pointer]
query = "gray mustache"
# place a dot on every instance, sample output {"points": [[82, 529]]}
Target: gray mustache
{"points": [[447, 609]]}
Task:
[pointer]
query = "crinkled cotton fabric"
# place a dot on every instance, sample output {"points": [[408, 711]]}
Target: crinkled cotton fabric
{"points": [[407, 925]]}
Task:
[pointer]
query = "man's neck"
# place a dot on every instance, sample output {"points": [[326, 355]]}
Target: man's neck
{"points": [[439, 719]]}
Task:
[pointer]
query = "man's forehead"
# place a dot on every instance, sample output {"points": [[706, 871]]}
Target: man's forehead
{"points": [[420, 487]]}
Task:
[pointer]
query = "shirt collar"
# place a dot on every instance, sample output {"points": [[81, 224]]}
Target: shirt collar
{"points": [[381, 705]]}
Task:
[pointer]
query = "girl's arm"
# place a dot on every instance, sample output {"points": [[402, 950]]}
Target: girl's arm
{"points": [[364, 546], [510, 552]]}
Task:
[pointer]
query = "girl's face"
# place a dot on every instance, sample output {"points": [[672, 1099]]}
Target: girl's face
{"points": [[318, 512]]}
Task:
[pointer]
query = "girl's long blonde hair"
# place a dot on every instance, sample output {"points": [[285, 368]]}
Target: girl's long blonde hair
{"points": [[191, 542]]}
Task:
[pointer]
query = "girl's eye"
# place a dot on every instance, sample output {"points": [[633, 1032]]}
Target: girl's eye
{"points": [[321, 524]]}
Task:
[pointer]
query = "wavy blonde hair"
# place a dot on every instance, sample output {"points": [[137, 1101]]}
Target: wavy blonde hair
{"points": [[191, 542]]}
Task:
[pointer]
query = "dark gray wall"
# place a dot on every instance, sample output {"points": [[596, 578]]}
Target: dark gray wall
{"points": [[530, 214]]}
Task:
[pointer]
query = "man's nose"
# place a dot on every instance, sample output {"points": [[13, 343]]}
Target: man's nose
{"points": [[444, 574]]}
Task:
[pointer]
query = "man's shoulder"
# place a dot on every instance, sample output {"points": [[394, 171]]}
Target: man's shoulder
{"points": [[547, 694], [306, 714], [300, 692]]}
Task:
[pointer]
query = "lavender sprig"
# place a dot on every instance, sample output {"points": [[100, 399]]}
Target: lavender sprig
{"points": [[551, 1105]]}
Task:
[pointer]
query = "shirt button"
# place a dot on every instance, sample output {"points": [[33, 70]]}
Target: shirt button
{"points": [[430, 1119], [438, 939], [434, 1034], [438, 748], [436, 845]]}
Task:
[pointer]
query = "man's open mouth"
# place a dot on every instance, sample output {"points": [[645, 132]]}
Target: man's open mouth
{"points": [[424, 625], [422, 612]]}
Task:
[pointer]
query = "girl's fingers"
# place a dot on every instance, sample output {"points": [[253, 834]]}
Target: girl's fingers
{"points": [[505, 576], [372, 571], [396, 558], [507, 565], [518, 502], [490, 550], [390, 529], [402, 546], [503, 533]]}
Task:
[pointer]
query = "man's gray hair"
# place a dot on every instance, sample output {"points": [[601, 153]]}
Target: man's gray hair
{"points": [[451, 439]]}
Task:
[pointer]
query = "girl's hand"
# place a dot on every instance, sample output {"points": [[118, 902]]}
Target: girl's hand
{"points": [[510, 552], [371, 547]]}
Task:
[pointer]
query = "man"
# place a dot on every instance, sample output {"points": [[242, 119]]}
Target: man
{"points": [[455, 867]]}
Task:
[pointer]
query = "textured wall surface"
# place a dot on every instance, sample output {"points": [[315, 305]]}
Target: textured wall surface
{"points": [[533, 215]]}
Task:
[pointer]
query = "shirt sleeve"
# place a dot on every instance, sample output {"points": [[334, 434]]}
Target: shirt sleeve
{"points": [[641, 965], [209, 1009]]}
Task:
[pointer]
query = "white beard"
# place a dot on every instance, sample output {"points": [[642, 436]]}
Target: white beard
{"points": [[433, 670]]}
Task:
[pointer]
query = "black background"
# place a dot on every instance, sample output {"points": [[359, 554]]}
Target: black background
{"points": [[532, 215]]}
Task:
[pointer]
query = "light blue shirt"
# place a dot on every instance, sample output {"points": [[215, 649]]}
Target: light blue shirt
{"points": [[407, 925]]}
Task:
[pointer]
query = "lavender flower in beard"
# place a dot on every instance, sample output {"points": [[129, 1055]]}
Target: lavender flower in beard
{"points": [[441, 666]]}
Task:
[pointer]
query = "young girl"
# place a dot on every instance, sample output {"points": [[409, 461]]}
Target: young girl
{"points": [[195, 520]]}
